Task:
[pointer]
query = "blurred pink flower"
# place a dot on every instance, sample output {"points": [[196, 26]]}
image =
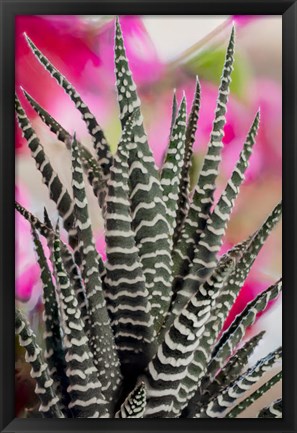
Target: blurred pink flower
{"points": [[243, 20], [101, 245], [83, 52]]}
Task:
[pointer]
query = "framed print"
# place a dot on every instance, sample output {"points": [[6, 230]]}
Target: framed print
{"points": [[145, 165]]}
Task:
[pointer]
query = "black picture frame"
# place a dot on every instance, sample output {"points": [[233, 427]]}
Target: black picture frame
{"points": [[10, 8]]}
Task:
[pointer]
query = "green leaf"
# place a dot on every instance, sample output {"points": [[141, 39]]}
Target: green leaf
{"points": [[68, 260], [85, 389], [44, 384], [200, 206], [205, 65], [210, 242], [168, 368], [90, 165], [201, 355], [149, 220], [102, 339], [173, 111], [54, 354], [274, 410], [243, 405], [127, 296], [218, 407], [172, 168], [211, 239], [134, 404], [233, 335], [228, 373], [58, 192], [100, 144], [184, 184], [237, 279]]}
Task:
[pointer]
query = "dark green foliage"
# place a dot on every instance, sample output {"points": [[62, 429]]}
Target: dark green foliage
{"points": [[139, 336], [274, 410], [44, 384]]}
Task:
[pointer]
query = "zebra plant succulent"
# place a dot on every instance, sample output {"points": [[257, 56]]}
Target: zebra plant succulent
{"points": [[139, 335]]}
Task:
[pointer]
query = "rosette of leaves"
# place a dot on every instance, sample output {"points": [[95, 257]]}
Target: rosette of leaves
{"points": [[139, 335]]}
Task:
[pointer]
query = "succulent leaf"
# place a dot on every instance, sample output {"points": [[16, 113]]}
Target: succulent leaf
{"points": [[233, 335], [126, 293], [237, 279], [218, 407], [171, 171], [139, 336], [201, 355], [89, 163], [134, 405], [149, 220], [228, 373], [54, 353], [68, 260], [58, 192], [184, 184], [100, 144], [168, 368], [274, 410], [243, 405], [210, 242], [102, 339], [44, 384], [211, 239], [202, 201], [174, 110], [87, 400]]}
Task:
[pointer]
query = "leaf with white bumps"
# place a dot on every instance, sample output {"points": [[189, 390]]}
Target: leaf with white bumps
{"points": [[90, 165], [172, 168], [99, 141], [202, 201]]}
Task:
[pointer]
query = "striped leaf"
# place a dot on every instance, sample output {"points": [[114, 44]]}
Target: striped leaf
{"points": [[54, 353], [218, 407], [180, 299], [34, 221], [237, 279], [90, 165], [128, 99], [203, 194], [68, 260], [210, 242], [102, 340], [236, 331], [44, 384], [134, 404], [274, 410], [149, 220], [184, 185], [247, 402], [228, 373], [168, 368], [172, 168], [99, 142], [211, 239], [46, 219], [201, 355], [174, 109], [126, 293], [58, 192], [87, 400]]}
